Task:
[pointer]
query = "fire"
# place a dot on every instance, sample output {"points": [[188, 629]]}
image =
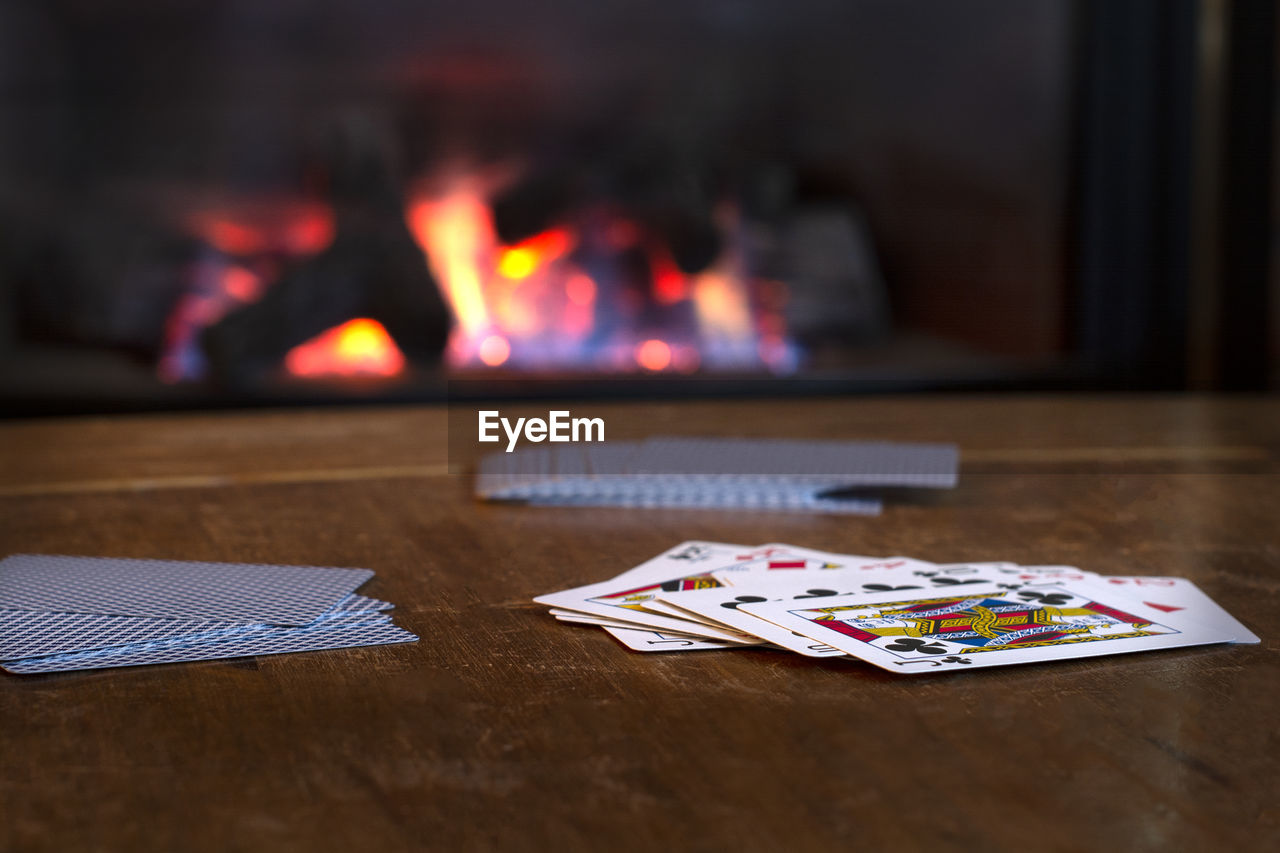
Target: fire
{"points": [[595, 291], [669, 284], [217, 288], [456, 232], [494, 350], [249, 239], [653, 355], [241, 230], [359, 347], [523, 259], [241, 284], [580, 289], [234, 238], [570, 296], [511, 303]]}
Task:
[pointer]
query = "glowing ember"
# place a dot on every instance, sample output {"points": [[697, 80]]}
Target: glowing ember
{"points": [[217, 288], [309, 234], [523, 259], [494, 350], [234, 238], [669, 284], [580, 289], [653, 355], [243, 229], [242, 284], [250, 239], [359, 347]]}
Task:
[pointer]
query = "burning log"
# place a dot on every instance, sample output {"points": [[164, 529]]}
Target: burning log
{"points": [[533, 205], [661, 190], [373, 268], [371, 272]]}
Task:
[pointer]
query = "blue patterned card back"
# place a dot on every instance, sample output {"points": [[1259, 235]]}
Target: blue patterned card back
{"points": [[170, 589], [368, 630], [31, 633]]}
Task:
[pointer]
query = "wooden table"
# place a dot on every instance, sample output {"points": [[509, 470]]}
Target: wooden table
{"points": [[502, 729]]}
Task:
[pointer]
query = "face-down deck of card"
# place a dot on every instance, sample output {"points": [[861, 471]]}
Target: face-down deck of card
{"points": [[73, 613], [901, 614], [767, 474]]}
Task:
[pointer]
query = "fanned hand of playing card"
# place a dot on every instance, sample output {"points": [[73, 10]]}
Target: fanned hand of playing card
{"points": [[73, 613], [706, 473], [899, 613]]}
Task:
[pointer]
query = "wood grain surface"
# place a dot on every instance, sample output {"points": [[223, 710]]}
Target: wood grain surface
{"points": [[502, 729]]}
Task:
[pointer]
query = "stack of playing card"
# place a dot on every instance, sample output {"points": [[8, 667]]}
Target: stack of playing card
{"points": [[898, 613], [69, 613], [816, 476]]}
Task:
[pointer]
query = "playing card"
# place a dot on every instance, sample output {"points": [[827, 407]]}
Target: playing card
{"points": [[588, 619], [779, 557], [655, 605], [681, 497], [797, 561], [723, 605], [644, 640], [826, 464], [768, 560], [169, 589], [1179, 595], [30, 633], [597, 621], [687, 566], [765, 474], [983, 625], [1011, 574], [360, 630], [360, 603], [601, 622]]}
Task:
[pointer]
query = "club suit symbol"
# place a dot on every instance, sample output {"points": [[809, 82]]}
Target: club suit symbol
{"points": [[743, 599], [817, 593], [938, 579], [1050, 598], [915, 644], [755, 599]]}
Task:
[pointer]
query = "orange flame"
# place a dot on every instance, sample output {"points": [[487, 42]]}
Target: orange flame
{"points": [[234, 238], [300, 231], [580, 289], [523, 259], [669, 284], [456, 232], [653, 355], [532, 304], [359, 347], [499, 295], [494, 350]]}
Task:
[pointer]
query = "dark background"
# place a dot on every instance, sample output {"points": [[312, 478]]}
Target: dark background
{"points": [[1056, 194]]}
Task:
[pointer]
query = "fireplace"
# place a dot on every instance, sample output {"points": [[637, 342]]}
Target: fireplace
{"points": [[595, 286], [240, 203]]}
